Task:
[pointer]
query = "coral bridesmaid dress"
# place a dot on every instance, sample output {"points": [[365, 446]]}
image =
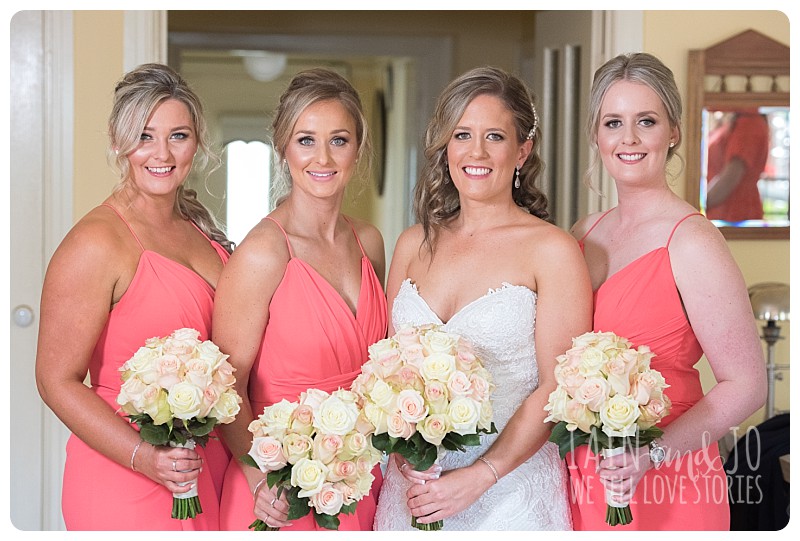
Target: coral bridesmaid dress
{"points": [[312, 340], [98, 493], [641, 302]]}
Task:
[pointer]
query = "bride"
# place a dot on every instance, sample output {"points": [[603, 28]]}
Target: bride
{"points": [[484, 262]]}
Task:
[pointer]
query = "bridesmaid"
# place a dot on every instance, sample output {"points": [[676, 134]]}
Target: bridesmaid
{"points": [[663, 277], [142, 264], [302, 298]]}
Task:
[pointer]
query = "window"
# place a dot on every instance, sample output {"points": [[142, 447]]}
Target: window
{"points": [[248, 170]]}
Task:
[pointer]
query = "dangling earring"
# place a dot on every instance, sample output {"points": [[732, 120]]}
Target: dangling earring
{"points": [[516, 177]]}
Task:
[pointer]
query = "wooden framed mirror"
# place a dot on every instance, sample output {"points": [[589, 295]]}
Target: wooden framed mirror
{"points": [[737, 136]]}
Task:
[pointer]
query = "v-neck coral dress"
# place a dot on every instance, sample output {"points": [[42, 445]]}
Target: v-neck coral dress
{"points": [[312, 340], [98, 493], [641, 302]]}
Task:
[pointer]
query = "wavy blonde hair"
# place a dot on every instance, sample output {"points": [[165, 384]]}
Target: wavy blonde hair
{"points": [[435, 197], [136, 96]]}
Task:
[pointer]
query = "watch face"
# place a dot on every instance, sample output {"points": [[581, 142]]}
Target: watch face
{"points": [[657, 454]]}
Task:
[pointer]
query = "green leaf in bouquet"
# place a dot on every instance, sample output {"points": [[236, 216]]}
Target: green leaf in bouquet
{"points": [[348, 509], [155, 434], [647, 435], [427, 459], [327, 521], [567, 440], [279, 478], [201, 427], [383, 442], [247, 460], [298, 507]]}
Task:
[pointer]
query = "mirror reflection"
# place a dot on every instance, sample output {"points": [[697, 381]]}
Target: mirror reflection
{"points": [[745, 175]]}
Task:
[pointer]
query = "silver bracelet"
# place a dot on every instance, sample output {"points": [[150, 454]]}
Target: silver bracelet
{"points": [[258, 485], [133, 455], [491, 467]]}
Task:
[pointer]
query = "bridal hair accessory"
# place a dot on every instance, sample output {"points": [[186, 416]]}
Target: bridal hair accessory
{"points": [[532, 131], [516, 177]]}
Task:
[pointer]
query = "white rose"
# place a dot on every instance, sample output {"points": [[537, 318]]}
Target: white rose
{"points": [[313, 398], [355, 443], [185, 400], [398, 427], [592, 360], [377, 417], [198, 372], [382, 395], [209, 352], [380, 348], [141, 365], [436, 341], [341, 469], [579, 416], [168, 369], [227, 407], [557, 405], [276, 418], [411, 405], [619, 416], [593, 392], [335, 416], [223, 375], [155, 404], [297, 447], [182, 343], [309, 475], [326, 446], [406, 336], [130, 395], [486, 415], [328, 501], [459, 384], [463, 414], [434, 428], [268, 454], [438, 366]]}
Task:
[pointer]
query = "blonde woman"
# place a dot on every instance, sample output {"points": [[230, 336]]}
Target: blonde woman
{"points": [[142, 264]]}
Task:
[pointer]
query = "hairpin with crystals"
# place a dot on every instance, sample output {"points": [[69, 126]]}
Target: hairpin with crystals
{"points": [[532, 132]]}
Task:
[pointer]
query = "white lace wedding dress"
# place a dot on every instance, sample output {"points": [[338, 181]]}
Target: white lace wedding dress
{"points": [[533, 496]]}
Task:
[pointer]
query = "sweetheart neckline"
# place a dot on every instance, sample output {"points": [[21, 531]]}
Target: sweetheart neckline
{"points": [[504, 286]]}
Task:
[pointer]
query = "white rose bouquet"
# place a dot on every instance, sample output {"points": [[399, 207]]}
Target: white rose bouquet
{"points": [[177, 389], [316, 451], [607, 397], [421, 390]]}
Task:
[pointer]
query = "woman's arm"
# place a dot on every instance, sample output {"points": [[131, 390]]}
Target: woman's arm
{"points": [[241, 313], [78, 292], [715, 298], [564, 310]]}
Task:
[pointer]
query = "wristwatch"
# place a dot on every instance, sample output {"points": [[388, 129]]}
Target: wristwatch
{"points": [[657, 454]]}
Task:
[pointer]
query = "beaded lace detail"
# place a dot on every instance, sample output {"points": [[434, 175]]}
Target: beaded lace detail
{"points": [[500, 326]]}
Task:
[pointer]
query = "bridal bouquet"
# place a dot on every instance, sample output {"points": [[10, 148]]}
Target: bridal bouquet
{"points": [[609, 398], [316, 451], [423, 389], [176, 389]]}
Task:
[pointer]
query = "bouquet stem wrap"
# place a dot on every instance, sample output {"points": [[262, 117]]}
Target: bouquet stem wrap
{"points": [[616, 513], [186, 504]]}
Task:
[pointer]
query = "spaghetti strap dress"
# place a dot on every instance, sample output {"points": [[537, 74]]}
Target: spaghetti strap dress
{"points": [[312, 340], [641, 302], [98, 493]]}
